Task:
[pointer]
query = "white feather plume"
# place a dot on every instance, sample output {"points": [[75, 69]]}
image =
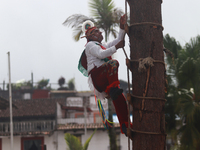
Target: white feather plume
{"points": [[86, 25]]}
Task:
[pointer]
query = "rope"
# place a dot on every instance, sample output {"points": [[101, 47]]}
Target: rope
{"points": [[157, 61], [155, 25], [125, 53], [143, 132], [154, 98]]}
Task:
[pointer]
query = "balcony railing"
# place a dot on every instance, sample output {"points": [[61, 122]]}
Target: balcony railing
{"points": [[28, 126], [89, 120]]}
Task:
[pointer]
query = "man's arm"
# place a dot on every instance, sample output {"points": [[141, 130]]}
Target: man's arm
{"points": [[98, 52], [121, 34]]}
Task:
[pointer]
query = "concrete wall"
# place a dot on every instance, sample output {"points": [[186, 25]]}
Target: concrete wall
{"points": [[6, 143], [100, 141]]}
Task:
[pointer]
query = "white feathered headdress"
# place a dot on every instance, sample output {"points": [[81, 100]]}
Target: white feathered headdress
{"points": [[88, 24]]}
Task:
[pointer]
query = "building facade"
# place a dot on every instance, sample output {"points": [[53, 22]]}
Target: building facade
{"points": [[41, 124]]}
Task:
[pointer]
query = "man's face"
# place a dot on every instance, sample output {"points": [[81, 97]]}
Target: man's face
{"points": [[96, 36]]}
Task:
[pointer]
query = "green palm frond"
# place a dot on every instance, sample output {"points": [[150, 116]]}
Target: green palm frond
{"points": [[88, 141], [189, 137], [73, 142], [171, 44], [75, 21], [193, 47], [186, 73], [105, 16], [190, 110], [186, 103], [171, 59], [101, 8]]}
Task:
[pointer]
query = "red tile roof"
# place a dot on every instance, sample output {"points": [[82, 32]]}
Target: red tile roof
{"points": [[34, 107], [4, 103], [37, 107]]}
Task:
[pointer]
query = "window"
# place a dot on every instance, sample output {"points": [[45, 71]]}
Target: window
{"points": [[32, 143], [27, 96]]}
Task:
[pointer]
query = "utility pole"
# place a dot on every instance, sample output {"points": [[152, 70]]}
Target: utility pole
{"points": [[10, 99], [148, 75]]}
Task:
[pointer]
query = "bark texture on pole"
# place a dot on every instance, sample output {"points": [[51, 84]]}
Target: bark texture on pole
{"points": [[146, 40]]}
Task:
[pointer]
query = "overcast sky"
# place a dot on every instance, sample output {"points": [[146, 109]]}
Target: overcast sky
{"points": [[32, 31]]}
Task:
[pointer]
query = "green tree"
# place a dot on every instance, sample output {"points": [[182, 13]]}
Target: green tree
{"points": [[190, 113], [43, 83], [172, 49], [188, 78], [21, 84], [61, 82], [74, 143], [184, 93], [71, 84], [106, 17]]}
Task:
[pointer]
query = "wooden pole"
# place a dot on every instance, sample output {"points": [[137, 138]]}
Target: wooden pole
{"points": [[148, 96]]}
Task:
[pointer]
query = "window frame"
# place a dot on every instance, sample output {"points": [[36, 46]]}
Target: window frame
{"points": [[31, 138]]}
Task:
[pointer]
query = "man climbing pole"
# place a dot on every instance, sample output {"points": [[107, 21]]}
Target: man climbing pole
{"points": [[102, 70]]}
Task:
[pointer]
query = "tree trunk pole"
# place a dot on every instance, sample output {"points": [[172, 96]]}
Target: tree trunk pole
{"points": [[148, 86]]}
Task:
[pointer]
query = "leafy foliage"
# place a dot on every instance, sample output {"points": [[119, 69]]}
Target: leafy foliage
{"points": [[74, 143], [21, 84], [43, 83], [71, 84], [105, 17], [185, 71]]}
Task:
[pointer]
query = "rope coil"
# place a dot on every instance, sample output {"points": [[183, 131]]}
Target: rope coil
{"points": [[144, 63]]}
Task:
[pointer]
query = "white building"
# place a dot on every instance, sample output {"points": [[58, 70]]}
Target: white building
{"points": [[40, 124]]}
